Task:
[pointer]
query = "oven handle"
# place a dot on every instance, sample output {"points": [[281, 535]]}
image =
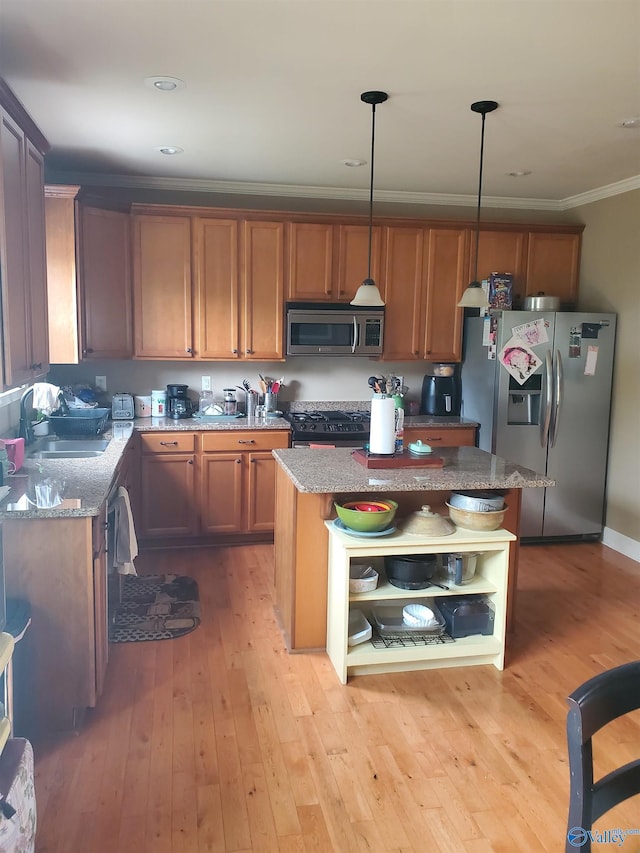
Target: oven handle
{"points": [[355, 334]]}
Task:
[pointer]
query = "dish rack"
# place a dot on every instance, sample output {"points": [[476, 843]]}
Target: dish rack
{"points": [[80, 422]]}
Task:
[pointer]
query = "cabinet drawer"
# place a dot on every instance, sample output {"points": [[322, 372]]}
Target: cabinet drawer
{"points": [[245, 440], [442, 436], [168, 442]]}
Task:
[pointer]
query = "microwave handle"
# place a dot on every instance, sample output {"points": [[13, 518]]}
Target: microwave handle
{"points": [[355, 334]]}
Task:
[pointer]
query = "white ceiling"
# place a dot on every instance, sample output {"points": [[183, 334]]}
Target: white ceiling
{"points": [[272, 94]]}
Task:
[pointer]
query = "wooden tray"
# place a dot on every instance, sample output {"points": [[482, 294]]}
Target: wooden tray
{"points": [[399, 460]]}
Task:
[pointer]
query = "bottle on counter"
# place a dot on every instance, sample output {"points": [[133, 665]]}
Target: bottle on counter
{"points": [[230, 403], [399, 425]]}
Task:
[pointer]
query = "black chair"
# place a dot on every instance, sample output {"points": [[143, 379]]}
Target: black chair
{"points": [[592, 705]]}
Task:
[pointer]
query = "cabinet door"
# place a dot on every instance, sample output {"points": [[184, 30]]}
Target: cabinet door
{"points": [[217, 324], [62, 285], [13, 253], [260, 491], [446, 279], [500, 251], [100, 599], [353, 259], [36, 262], [401, 290], [168, 488], [162, 286], [105, 283], [263, 291], [553, 266], [221, 493], [310, 274]]}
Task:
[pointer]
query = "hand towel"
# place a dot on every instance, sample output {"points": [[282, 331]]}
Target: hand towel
{"points": [[46, 397], [124, 545]]}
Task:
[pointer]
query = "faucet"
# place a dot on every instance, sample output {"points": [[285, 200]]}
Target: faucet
{"points": [[26, 430]]}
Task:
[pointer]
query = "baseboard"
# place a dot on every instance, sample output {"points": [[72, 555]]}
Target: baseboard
{"points": [[621, 543]]}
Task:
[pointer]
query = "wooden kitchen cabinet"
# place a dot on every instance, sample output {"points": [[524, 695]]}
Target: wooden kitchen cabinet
{"points": [[217, 289], [262, 302], [328, 262], [88, 279], [438, 436], [100, 598], [238, 480], [22, 245], [168, 485], [500, 251], [553, 265], [424, 277], [161, 249]]}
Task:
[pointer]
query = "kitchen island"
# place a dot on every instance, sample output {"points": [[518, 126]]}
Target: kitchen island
{"points": [[308, 481]]}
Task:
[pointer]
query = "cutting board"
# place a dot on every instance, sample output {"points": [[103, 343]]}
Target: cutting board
{"points": [[399, 460]]}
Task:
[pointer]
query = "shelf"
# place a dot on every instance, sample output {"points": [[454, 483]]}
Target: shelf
{"points": [[490, 580]]}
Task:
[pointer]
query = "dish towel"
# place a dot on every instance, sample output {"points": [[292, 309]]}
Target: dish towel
{"points": [[124, 545], [46, 397]]}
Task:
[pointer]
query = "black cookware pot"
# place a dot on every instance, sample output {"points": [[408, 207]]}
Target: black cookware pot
{"points": [[413, 571]]}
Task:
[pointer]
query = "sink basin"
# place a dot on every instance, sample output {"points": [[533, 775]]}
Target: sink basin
{"points": [[69, 448]]}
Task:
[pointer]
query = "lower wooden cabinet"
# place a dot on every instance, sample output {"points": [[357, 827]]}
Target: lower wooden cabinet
{"points": [[441, 436], [203, 483], [238, 480]]}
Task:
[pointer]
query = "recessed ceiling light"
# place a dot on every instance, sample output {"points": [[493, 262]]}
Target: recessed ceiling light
{"points": [[353, 162], [519, 173], [169, 149], [164, 84], [630, 123]]}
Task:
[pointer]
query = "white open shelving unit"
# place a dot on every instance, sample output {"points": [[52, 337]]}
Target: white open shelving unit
{"points": [[490, 580]]}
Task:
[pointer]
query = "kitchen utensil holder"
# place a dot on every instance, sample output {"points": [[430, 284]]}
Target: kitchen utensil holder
{"points": [[270, 401]]}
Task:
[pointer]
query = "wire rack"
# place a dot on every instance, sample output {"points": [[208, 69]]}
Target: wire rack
{"points": [[406, 640]]}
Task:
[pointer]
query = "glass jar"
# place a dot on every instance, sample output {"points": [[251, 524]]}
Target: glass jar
{"points": [[230, 404]]}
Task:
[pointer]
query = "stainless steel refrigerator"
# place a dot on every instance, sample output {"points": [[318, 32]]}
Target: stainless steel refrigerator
{"points": [[539, 385]]}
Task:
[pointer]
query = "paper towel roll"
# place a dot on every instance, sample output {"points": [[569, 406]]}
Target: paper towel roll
{"points": [[382, 436]]}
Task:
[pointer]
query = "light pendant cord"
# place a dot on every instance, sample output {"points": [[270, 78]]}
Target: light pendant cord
{"points": [[373, 148], [475, 269]]}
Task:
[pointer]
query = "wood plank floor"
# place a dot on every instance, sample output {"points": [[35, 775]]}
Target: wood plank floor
{"points": [[222, 741]]}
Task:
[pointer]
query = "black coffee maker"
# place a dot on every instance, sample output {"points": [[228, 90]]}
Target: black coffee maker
{"points": [[178, 404], [441, 391]]}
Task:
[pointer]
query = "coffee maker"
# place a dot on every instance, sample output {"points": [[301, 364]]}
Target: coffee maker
{"points": [[178, 404], [441, 391]]}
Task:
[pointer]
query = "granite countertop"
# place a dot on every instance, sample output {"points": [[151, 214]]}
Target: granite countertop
{"points": [[68, 488], [333, 471]]}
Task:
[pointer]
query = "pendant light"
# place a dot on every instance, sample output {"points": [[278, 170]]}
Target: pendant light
{"points": [[474, 296], [368, 293]]}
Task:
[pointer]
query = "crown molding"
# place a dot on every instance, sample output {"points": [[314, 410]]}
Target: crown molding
{"points": [[336, 193]]}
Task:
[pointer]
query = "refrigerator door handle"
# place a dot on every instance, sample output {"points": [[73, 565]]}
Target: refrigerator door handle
{"points": [[558, 388], [548, 400]]}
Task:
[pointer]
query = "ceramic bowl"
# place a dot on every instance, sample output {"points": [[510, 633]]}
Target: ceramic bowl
{"points": [[472, 520], [366, 520]]}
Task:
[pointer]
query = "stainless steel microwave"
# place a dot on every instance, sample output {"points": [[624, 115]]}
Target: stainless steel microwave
{"points": [[316, 328]]}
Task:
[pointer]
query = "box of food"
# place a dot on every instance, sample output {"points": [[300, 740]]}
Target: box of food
{"points": [[501, 291]]}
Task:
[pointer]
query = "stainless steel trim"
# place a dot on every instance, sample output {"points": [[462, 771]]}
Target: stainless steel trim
{"points": [[355, 334]]}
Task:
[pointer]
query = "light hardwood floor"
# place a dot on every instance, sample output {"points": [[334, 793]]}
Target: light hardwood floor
{"points": [[222, 741]]}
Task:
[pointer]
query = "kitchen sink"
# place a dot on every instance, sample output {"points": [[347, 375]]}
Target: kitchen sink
{"points": [[69, 448]]}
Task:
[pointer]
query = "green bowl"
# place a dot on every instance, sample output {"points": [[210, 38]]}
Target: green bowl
{"points": [[364, 521]]}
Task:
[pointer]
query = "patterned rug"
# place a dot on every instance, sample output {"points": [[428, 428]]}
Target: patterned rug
{"points": [[155, 607]]}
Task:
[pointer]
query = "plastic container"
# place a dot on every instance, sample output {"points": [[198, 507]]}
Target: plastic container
{"points": [[466, 615], [388, 618], [142, 406], [359, 628], [362, 578], [158, 403]]}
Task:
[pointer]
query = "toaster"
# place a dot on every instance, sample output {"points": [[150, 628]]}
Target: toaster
{"points": [[122, 407]]}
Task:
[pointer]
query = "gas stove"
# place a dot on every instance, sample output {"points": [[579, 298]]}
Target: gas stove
{"points": [[339, 428]]}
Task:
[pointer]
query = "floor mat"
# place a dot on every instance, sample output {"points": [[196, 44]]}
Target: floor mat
{"points": [[155, 607]]}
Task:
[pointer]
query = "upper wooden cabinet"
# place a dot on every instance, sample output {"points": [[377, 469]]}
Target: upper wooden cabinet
{"points": [[500, 251], [553, 265], [208, 288], [25, 352], [425, 274], [88, 279], [328, 262]]}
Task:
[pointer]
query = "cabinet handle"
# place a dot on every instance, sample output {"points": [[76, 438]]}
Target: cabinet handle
{"points": [[249, 352], [246, 441], [234, 351], [88, 351], [436, 438], [189, 350], [37, 366], [238, 461], [169, 443], [189, 461]]}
